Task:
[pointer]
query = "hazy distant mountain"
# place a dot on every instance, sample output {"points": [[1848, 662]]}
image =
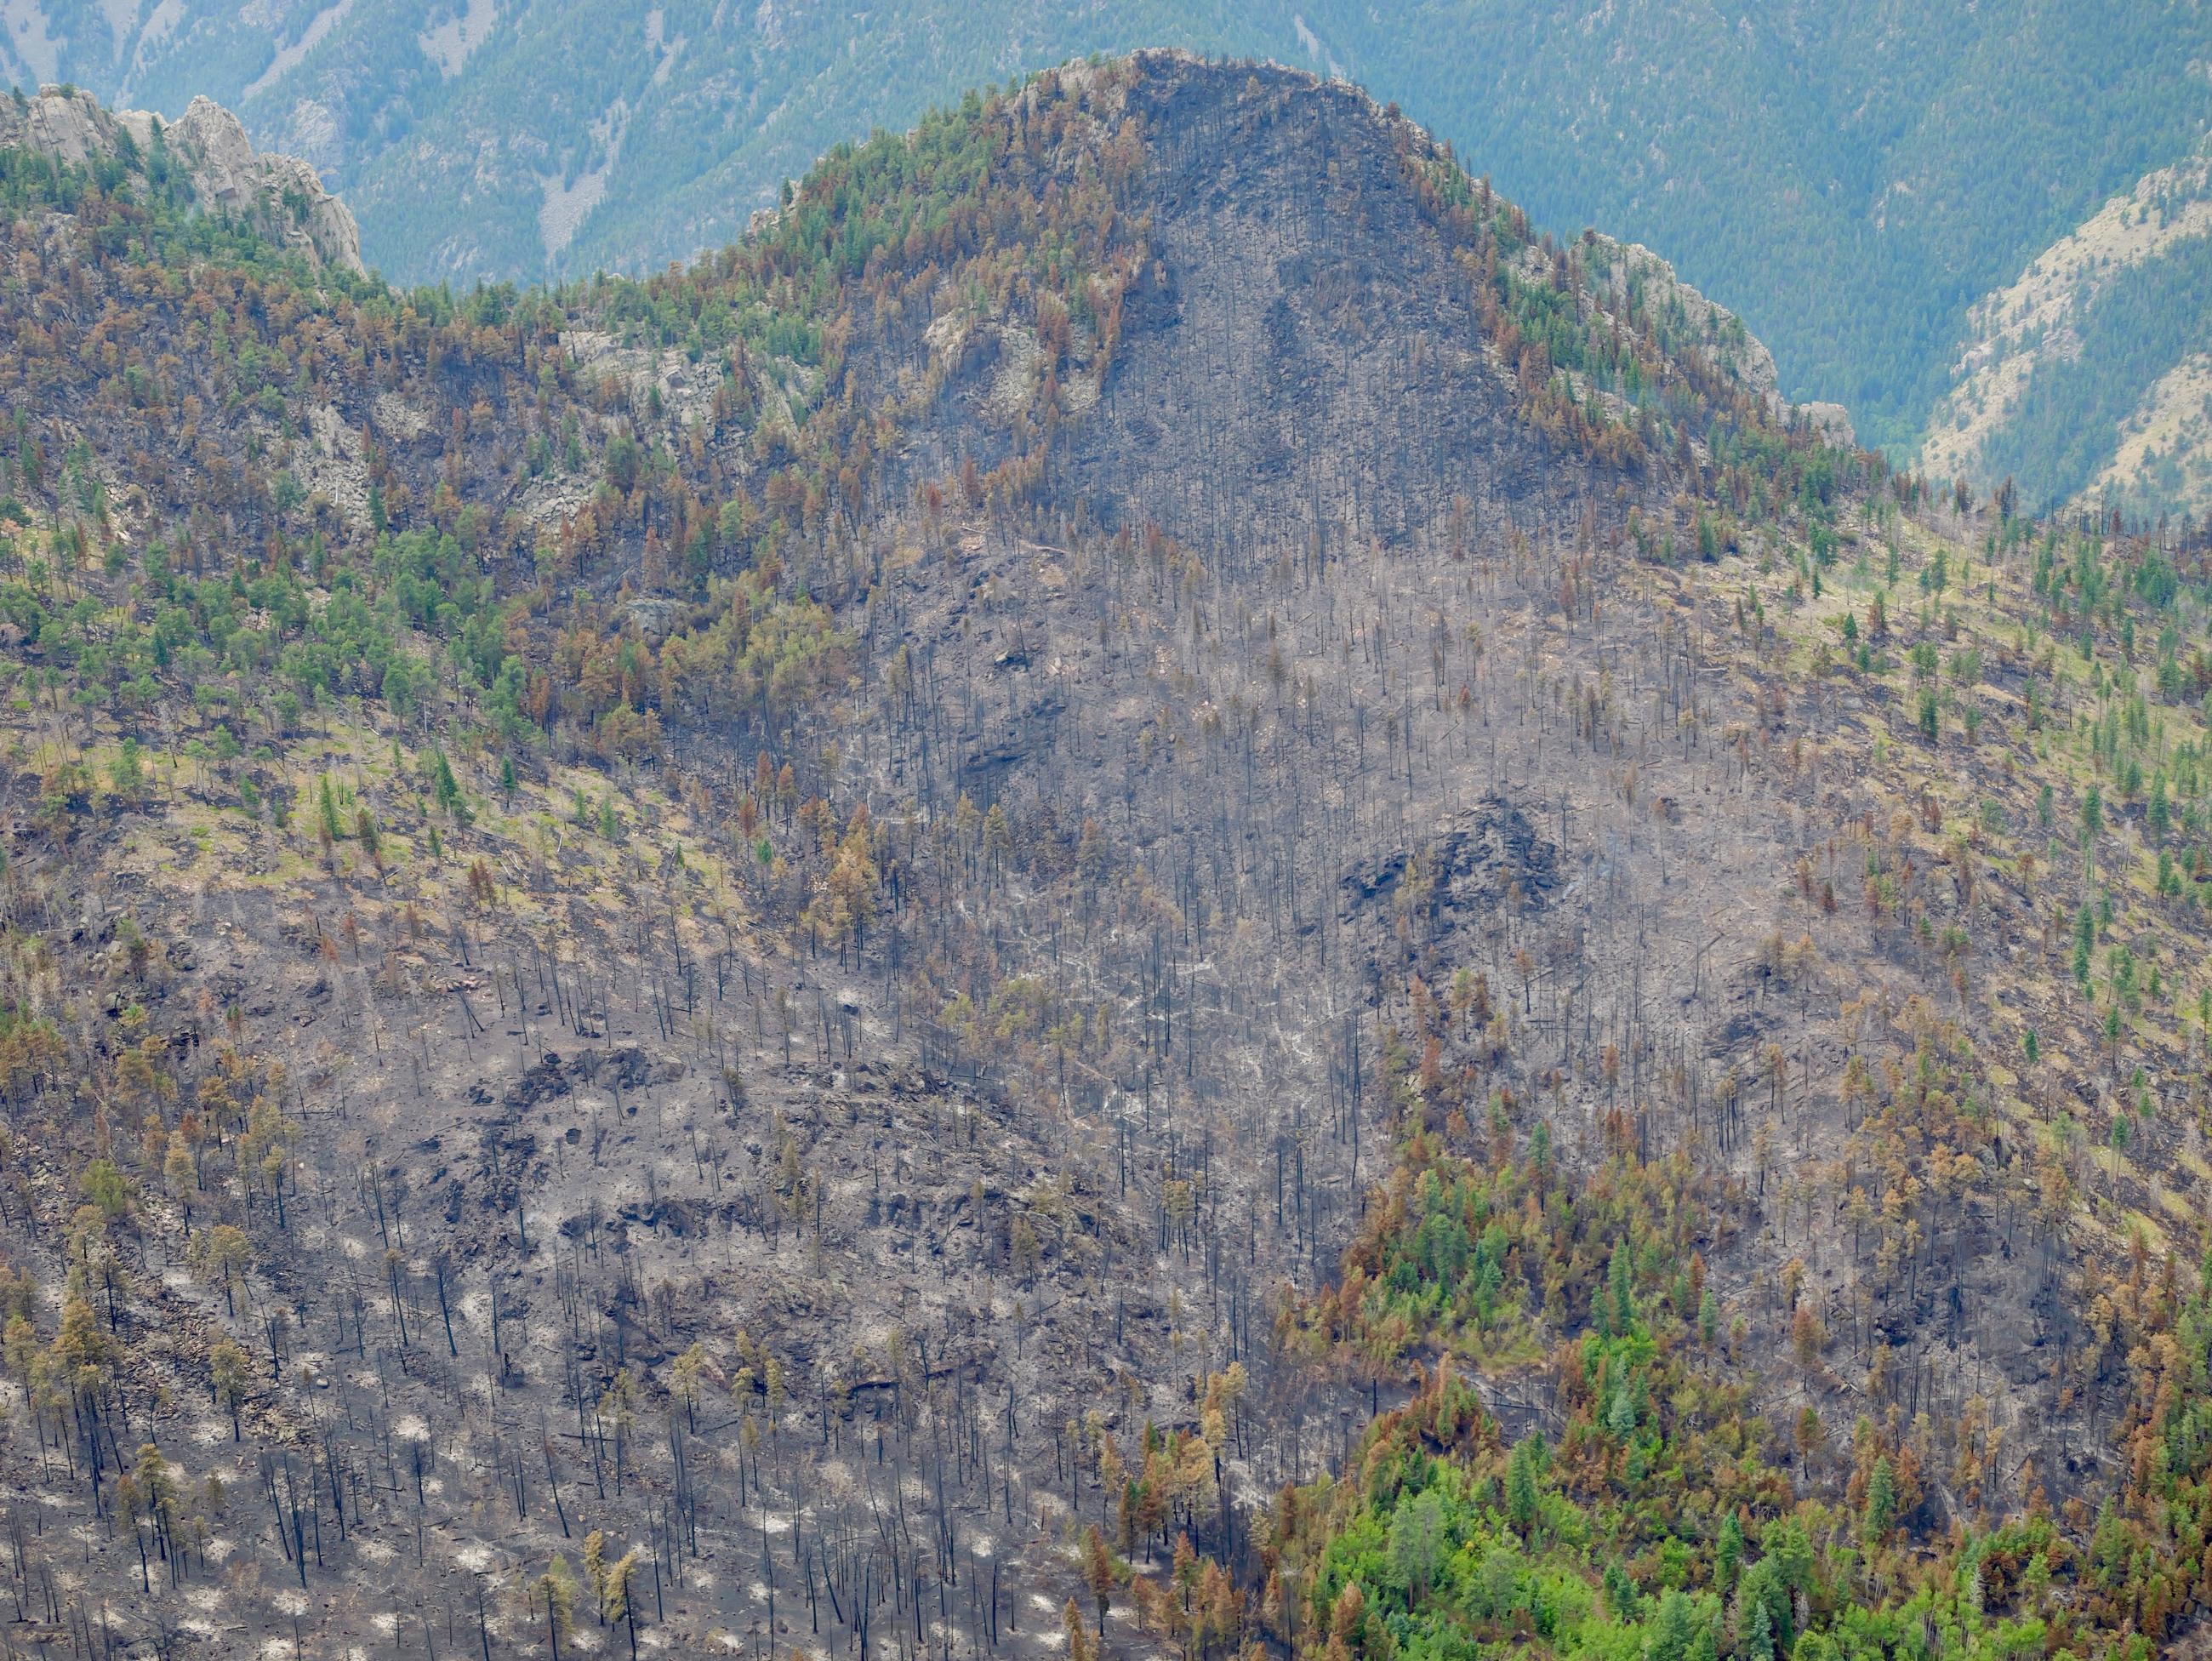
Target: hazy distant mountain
{"points": [[2090, 377]]}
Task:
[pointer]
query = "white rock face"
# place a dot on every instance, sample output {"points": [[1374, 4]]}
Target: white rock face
{"points": [[1832, 421], [281, 196], [74, 130]]}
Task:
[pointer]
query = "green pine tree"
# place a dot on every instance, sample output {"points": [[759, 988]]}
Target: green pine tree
{"points": [[443, 785], [1881, 1499], [1758, 1635], [1620, 1296], [1674, 1630], [1521, 1500], [1728, 1554]]}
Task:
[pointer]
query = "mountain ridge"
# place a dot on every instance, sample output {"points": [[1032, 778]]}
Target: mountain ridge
{"points": [[1847, 182], [281, 197], [665, 921], [2140, 447]]}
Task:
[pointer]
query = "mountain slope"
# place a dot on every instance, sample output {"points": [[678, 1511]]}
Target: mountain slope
{"points": [[1851, 182], [2088, 375], [898, 920]]}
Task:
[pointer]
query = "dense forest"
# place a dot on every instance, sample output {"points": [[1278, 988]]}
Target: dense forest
{"points": [[2145, 322], [1147, 888]]}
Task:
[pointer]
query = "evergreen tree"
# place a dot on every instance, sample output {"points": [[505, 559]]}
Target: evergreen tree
{"points": [[1729, 1553], [1881, 1499], [1759, 1632], [1674, 1630], [1521, 1502]]}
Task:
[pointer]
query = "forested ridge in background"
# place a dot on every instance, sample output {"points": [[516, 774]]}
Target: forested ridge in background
{"points": [[1851, 180], [1146, 889]]}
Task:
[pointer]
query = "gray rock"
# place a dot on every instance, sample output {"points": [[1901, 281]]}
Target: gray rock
{"points": [[281, 196]]}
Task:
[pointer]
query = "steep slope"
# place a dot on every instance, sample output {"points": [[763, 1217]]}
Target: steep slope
{"points": [[1137, 782], [1326, 339], [2088, 375], [2163, 463], [485, 140], [1852, 181]]}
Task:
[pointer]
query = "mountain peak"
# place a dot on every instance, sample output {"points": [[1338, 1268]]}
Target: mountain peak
{"points": [[1280, 264], [1144, 709]]}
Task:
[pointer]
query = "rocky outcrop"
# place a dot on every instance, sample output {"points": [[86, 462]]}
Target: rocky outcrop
{"points": [[282, 193], [1832, 421], [69, 126], [1714, 329], [1722, 337], [281, 196]]}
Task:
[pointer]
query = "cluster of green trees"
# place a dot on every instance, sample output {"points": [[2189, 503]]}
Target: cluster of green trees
{"points": [[1657, 1517]]}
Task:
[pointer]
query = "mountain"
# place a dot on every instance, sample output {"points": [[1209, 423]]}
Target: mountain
{"points": [[2089, 374], [1860, 184], [203, 159], [1143, 886], [483, 141], [1852, 180]]}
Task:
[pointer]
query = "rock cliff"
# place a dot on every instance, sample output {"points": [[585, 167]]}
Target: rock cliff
{"points": [[279, 196]]}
